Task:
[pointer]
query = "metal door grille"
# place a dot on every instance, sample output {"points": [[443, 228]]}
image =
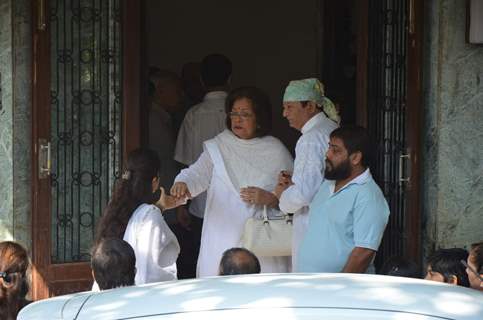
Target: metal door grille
{"points": [[86, 117], [388, 22]]}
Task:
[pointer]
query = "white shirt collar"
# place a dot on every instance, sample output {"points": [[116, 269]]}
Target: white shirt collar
{"points": [[215, 95], [312, 122], [360, 179]]}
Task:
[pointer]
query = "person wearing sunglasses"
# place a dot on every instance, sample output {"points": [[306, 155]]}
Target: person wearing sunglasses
{"points": [[474, 266], [14, 286]]}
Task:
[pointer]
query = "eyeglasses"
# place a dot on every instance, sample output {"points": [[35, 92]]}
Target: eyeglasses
{"points": [[472, 270], [243, 115], [7, 277]]}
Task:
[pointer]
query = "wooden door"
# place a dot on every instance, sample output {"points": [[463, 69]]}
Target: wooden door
{"points": [[393, 42], [86, 99], [388, 36]]}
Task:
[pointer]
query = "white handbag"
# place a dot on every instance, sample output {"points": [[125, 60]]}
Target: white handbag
{"points": [[268, 237]]}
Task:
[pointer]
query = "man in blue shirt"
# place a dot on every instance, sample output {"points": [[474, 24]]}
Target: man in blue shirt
{"points": [[349, 213]]}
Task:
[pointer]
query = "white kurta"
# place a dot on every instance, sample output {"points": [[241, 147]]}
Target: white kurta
{"points": [[261, 159], [154, 244], [307, 176]]}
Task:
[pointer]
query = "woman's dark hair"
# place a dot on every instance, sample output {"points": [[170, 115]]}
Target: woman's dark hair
{"points": [[262, 108], [400, 267], [477, 256], [132, 190], [448, 263], [14, 264]]}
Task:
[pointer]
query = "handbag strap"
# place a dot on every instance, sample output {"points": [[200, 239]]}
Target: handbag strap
{"points": [[287, 217]]}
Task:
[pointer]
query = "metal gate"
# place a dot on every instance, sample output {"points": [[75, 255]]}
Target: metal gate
{"points": [[86, 118], [386, 106]]}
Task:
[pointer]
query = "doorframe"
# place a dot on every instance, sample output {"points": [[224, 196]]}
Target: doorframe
{"points": [[50, 279], [414, 122]]}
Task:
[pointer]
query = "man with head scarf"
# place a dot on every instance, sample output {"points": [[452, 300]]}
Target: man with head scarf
{"points": [[315, 116]]}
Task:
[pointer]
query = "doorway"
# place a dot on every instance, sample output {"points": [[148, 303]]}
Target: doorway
{"points": [[365, 52], [269, 45], [380, 41]]}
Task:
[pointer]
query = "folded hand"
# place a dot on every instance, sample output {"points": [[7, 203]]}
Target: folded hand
{"points": [[258, 196], [180, 190]]}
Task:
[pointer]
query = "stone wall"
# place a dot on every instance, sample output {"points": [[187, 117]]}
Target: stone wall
{"points": [[22, 134], [6, 122], [453, 130], [15, 120]]}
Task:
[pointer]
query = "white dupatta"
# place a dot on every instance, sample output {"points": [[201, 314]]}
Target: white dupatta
{"points": [[255, 162]]}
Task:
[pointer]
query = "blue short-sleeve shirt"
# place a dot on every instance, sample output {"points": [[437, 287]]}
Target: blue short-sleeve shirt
{"points": [[354, 216]]}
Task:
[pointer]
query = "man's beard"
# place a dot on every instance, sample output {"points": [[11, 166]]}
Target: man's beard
{"points": [[341, 172]]}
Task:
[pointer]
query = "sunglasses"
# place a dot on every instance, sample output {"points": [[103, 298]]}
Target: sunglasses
{"points": [[7, 277], [472, 270]]}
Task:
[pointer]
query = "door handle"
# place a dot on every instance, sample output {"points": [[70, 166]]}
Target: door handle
{"points": [[402, 160], [41, 24], [45, 163]]}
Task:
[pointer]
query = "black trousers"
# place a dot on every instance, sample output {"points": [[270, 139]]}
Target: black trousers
{"points": [[189, 241]]}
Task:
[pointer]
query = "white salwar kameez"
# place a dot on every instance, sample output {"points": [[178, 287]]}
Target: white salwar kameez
{"points": [[155, 245], [226, 165]]}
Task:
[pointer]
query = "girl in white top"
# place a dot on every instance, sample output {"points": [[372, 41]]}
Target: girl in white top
{"points": [[238, 168], [134, 214]]}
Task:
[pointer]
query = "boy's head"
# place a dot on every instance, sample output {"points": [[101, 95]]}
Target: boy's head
{"points": [[113, 263], [445, 265]]}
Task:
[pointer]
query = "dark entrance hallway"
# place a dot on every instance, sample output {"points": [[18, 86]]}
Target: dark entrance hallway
{"points": [[368, 54]]}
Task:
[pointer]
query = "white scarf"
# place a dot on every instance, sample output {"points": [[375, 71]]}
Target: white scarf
{"points": [[255, 162]]}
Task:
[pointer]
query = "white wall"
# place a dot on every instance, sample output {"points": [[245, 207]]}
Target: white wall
{"points": [[269, 42]]}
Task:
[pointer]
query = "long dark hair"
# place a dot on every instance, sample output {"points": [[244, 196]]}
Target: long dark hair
{"points": [[132, 190], [14, 264]]}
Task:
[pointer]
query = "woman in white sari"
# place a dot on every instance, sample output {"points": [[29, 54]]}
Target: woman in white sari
{"points": [[239, 168]]}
